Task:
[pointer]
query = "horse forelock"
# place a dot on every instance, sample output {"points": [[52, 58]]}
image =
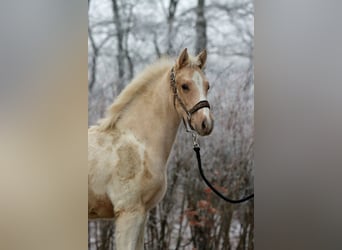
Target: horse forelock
{"points": [[193, 62]]}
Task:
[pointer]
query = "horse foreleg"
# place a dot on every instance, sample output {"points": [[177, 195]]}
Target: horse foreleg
{"points": [[141, 236], [129, 230]]}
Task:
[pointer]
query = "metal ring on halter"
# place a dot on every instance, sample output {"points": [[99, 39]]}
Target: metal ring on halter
{"points": [[195, 140]]}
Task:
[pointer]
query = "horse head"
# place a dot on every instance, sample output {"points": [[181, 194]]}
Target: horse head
{"points": [[190, 87]]}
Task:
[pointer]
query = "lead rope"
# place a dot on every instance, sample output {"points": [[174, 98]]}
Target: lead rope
{"points": [[198, 156]]}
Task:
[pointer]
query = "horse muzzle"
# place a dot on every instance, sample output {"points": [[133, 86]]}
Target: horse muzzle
{"points": [[202, 122]]}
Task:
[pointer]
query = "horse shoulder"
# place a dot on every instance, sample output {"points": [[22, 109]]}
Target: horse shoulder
{"points": [[138, 175]]}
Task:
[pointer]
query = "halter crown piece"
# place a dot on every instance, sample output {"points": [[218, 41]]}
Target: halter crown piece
{"points": [[194, 109]]}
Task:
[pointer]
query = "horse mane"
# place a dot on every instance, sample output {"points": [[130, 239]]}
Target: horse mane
{"points": [[133, 89]]}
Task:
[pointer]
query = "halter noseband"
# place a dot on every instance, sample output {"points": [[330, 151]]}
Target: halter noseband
{"points": [[194, 109]]}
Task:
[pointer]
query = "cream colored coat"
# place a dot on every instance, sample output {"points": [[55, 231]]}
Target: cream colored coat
{"points": [[128, 150]]}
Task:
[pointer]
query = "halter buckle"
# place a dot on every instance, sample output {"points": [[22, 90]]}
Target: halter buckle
{"points": [[195, 140]]}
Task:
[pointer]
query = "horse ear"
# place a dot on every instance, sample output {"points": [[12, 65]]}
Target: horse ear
{"points": [[202, 57], [183, 59]]}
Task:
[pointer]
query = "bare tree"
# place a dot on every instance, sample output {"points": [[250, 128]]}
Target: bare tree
{"points": [[126, 49], [95, 54], [119, 40], [170, 22], [201, 28], [94, 57]]}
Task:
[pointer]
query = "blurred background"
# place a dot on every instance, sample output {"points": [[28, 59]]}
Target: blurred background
{"points": [[126, 36], [43, 110]]}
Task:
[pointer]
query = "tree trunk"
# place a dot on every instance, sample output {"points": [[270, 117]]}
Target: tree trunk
{"points": [[95, 49], [251, 228], [156, 47], [170, 21], [201, 28], [128, 58], [119, 36]]}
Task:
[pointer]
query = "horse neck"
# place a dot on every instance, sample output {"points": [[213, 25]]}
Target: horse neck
{"points": [[153, 118]]}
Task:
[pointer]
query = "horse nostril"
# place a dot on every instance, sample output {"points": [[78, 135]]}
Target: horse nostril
{"points": [[204, 124]]}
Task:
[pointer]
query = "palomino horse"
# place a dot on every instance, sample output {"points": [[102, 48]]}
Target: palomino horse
{"points": [[129, 148]]}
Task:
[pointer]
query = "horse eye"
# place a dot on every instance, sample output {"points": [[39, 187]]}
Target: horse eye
{"points": [[185, 86], [208, 86]]}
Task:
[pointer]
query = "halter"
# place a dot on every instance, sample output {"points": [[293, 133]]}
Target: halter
{"points": [[194, 109]]}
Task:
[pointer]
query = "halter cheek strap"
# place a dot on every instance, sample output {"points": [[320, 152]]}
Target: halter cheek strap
{"points": [[194, 109]]}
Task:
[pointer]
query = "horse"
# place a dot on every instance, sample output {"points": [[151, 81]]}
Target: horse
{"points": [[129, 148]]}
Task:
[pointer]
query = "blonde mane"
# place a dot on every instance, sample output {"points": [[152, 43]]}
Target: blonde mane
{"points": [[134, 88]]}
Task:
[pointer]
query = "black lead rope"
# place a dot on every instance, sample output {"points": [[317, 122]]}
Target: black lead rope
{"points": [[198, 155]]}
